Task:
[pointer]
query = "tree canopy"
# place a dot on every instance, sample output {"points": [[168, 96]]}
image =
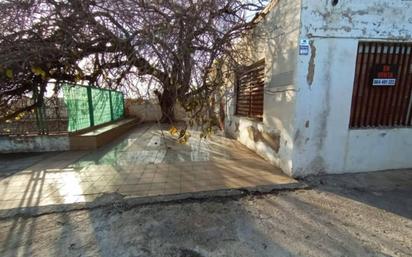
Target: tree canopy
{"points": [[113, 43]]}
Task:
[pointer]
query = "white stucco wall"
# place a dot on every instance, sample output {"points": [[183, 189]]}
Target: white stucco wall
{"points": [[323, 142], [276, 38], [378, 19], [150, 112]]}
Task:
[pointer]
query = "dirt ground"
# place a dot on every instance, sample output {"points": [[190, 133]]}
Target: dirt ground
{"points": [[345, 215]]}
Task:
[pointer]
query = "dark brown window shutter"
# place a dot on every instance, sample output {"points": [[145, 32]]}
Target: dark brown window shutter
{"points": [[250, 90]]}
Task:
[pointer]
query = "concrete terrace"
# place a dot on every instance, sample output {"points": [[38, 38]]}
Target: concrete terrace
{"points": [[145, 162]]}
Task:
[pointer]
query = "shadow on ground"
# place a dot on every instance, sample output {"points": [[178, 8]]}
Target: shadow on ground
{"points": [[12, 163], [343, 215], [332, 219], [388, 190], [147, 161]]}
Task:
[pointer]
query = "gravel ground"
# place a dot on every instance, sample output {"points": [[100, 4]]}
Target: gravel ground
{"points": [[355, 215]]}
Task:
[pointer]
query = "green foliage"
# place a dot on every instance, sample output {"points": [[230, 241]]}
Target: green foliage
{"points": [[39, 72], [9, 73]]}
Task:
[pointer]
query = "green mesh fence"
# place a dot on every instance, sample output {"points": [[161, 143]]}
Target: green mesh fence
{"points": [[101, 106], [77, 104], [87, 106], [118, 105]]}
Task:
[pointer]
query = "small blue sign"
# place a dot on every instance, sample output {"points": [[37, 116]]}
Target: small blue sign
{"points": [[303, 49]]}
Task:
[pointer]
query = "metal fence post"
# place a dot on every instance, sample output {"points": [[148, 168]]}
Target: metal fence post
{"points": [[111, 106], [90, 101], [124, 105], [38, 113]]}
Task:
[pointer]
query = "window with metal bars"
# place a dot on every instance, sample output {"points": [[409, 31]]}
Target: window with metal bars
{"points": [[250, 90], [382, 93]]}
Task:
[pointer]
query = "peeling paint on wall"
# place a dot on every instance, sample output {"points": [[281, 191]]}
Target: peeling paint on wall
{"points": [[269, 138], [358, 19], [311, 67]]}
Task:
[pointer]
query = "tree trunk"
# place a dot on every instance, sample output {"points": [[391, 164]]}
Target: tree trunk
{"points": [[222, 114], [167, 103]]}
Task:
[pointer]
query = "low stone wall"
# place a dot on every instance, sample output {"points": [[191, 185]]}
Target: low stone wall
{"points": [[46, 143]]}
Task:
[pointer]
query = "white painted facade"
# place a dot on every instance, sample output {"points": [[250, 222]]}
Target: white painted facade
{"points": [[280, 32], [311, 111]]}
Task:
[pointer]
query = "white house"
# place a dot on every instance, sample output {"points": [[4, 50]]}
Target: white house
{"points": [[336, 84]]}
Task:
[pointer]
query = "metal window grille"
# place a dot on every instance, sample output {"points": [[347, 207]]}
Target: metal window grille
{"points": [[382, 94], [250, 90]]}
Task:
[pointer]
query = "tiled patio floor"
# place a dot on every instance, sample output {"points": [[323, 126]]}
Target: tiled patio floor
{"points": [[142, 163]]}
